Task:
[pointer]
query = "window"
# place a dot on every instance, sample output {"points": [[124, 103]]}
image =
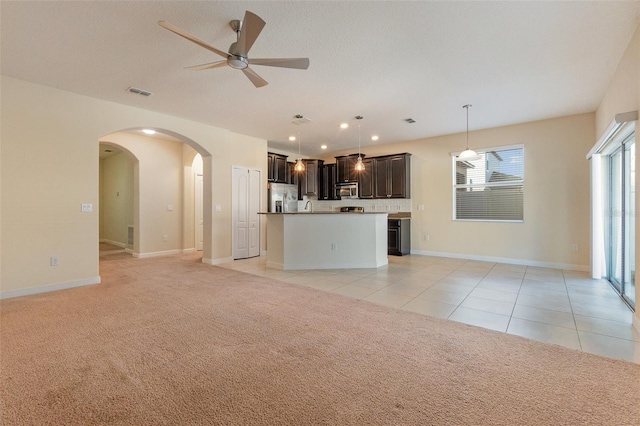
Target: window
{"points": [[490, 188]]}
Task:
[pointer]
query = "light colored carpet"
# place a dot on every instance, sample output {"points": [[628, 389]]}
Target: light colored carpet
{"points": [[170, 341]]}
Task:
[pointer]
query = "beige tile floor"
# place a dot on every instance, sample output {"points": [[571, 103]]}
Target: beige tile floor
{"points": [[562, 307]]}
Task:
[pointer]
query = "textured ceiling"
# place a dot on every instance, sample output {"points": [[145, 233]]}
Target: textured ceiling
{"points": [[387, 61]]}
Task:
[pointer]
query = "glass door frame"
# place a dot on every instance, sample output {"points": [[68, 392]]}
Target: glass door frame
{"points": [[617, 190]]}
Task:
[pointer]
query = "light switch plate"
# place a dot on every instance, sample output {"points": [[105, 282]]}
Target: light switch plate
{"points": [[218, 208], [87, 207]]}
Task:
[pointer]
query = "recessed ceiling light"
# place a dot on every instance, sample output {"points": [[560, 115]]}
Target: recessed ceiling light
{"points": [[374, 138], [323, 146], [292, 138], [344, 125], [149, 131]]}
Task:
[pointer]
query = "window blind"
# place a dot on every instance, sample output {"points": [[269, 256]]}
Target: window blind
{"points": [[490, 188]]}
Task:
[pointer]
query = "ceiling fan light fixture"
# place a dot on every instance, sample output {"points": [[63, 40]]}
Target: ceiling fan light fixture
{"points": [[237, 62]]}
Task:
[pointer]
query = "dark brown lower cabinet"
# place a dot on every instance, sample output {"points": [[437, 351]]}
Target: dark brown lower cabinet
{"points": [[399, 237]]}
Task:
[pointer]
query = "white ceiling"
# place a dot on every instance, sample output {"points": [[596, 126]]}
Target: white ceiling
{"points": [[387, 61]]}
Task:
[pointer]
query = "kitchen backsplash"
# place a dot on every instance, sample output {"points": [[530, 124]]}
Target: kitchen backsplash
{"points": [[391, 205]]}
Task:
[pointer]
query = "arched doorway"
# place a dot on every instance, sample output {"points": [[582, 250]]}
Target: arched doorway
{"points": [[163, 182]]}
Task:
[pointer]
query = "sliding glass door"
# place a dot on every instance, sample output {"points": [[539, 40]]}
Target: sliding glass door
{"points": [[620, 238]]}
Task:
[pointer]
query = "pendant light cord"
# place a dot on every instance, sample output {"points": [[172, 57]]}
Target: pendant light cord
{"points": [[467, 108]]}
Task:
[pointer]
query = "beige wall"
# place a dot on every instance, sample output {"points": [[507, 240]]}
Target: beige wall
{"points": [[116, 198], [556, 203], [56, 134]]}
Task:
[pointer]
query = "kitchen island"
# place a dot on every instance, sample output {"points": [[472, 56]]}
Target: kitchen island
{"points": [[326, 240]]}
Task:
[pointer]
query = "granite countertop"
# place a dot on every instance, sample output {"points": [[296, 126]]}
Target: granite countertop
{"points": [[400, 215]]}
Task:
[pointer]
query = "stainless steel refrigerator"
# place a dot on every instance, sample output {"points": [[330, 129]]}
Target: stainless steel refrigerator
{"points": [[283, 198]]}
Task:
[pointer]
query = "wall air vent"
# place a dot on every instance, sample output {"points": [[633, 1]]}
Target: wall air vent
{"points": [[409, 120], [130, 231], [139, 91]]}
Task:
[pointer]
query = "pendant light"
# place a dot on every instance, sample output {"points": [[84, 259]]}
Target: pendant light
{"points": [[359, 163], [299, 167], [468, 154]]}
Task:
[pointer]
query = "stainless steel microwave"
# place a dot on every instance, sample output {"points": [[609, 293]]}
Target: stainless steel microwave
{"points": [[346, 190]]}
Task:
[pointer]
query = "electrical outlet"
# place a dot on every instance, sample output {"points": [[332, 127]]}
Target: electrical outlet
{"points": [[165, 238], [426, 237], [574, 247], [54, 261]]}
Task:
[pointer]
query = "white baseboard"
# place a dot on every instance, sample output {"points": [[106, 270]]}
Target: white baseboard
{"points": [[565, 266], [115, 243], [157, 253], [189, 250], [217, 261], [48, 288]]}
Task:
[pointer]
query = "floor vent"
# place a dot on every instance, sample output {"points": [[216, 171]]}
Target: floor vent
{"points": [[130, 236]]}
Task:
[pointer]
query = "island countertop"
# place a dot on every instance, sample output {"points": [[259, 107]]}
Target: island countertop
{"points": [[326, 240]]}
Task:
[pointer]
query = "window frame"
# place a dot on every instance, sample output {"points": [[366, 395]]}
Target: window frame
{"points": [[456, 186]]}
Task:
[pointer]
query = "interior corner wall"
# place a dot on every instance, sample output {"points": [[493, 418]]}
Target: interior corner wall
{"points": [[57, 133], [556, 195], [116, 198]]}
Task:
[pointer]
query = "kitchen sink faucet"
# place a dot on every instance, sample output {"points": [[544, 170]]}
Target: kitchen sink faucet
{"points": [[307, 205]]}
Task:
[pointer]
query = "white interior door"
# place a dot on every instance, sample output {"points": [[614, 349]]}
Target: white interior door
{"points": [[199, 220], [245, 207], [253, 217]]}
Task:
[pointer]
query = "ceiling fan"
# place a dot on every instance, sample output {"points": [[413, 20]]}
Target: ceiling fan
{"points": [[247, 32]]}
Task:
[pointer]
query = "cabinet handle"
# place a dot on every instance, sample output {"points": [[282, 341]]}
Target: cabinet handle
{"points": [[388, 195]]}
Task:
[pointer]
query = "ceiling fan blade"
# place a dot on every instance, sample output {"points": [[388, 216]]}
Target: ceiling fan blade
{"points": [[192, 38], [252, 25], [299, 63], [255, 78], [207, 66]]}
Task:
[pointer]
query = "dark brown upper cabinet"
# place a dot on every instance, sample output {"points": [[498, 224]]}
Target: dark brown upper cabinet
{"points": [[392, 176], [310, 179], [365, 179], [277, 170], [346, 168]]}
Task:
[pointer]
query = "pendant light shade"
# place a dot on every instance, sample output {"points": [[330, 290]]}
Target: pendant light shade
{"points": [[468, 154], [359, 163]]}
